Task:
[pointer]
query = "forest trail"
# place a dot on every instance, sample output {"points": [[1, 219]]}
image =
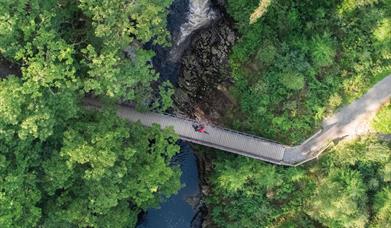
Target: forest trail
{"points": [[351, 121]]}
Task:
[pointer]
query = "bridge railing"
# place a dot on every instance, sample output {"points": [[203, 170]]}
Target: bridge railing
{"points": [[222, 128]]}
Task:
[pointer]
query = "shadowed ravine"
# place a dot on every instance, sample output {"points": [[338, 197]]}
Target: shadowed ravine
{"points": [[183, 209]]}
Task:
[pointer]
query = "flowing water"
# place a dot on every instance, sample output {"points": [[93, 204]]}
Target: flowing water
{"points": [[185, 17], [199, 14], [183, 209]]}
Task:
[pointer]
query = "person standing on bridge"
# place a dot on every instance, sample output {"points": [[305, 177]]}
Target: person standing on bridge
{"points": [[200, 128]]}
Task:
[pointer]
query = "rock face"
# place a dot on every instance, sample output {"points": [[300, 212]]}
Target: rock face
{"points": [[205, 73], [202, 91]]}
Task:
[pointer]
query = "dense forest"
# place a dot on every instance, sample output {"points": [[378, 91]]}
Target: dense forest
{"points": [[294, 64], [62, 165], [303, 59]]}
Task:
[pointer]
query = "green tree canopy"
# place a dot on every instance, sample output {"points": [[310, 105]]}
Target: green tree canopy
{"points": [[63, 166], [340, 200]]}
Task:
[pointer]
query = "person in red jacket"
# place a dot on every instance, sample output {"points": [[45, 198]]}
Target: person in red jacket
{"points": [[200, 128]]}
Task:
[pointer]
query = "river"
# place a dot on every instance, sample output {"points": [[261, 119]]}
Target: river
{"points": [[183, 209], [179, 210]]}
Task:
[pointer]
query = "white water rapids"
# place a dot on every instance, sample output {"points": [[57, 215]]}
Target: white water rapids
{"points": [[200, 14]]}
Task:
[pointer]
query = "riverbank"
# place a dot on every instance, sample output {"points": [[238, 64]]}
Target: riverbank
{"points": [[202, 91], [205, 158]]}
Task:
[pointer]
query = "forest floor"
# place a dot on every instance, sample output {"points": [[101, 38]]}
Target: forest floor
{"points": [[6, 69]]}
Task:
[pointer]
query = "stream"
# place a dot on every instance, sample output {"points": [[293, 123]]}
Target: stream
{"points": [[179, 210], [183, 209]]}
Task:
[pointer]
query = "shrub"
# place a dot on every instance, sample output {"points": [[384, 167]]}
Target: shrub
{"points": [[322, 50], [292, 80]]}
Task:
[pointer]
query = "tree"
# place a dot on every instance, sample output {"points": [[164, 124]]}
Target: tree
{"points": [[92, 58], [248, 193], [109, 72], [339, 200], [103, 166], [293, 67], [322, 50], [382, 121], [382, 206], [60, 165], [19, 190], [166, 91], [292, 80], [350, 5]]}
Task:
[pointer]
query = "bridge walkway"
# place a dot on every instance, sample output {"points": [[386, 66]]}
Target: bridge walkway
{"points": [[351, 121]]}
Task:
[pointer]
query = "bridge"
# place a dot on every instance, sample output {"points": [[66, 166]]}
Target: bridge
{"points": [[350, 121]]}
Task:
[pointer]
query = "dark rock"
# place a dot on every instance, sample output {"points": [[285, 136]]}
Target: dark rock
{"points": [[203, 67]]}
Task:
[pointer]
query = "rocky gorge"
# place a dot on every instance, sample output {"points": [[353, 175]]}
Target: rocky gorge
{"points": [[204, 74]]}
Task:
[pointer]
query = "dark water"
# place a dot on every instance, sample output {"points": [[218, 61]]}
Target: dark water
{"points": [[162, 62], [177, 211], [167, 59]]}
